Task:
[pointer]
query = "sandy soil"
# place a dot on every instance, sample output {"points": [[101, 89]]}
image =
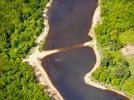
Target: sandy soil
{"points": [[87, 77], [128, 50]]}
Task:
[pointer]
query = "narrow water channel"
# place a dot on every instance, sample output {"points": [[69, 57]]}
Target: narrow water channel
{"points": [[70, 21], [67, 69]]}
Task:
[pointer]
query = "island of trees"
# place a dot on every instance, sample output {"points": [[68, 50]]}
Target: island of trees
{"points": [[20, 22], [115, 31]]}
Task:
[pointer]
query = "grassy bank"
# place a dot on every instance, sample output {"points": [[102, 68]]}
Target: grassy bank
{"points": [[20, 22], [114, 32]]}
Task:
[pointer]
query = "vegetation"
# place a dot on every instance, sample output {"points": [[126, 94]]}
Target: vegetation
{"points": [[127, 37], [130, 59], [20, 22], [115, 31]]}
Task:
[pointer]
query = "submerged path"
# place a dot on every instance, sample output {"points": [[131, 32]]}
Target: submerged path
{"points": [[69, 25], [68, 53]]}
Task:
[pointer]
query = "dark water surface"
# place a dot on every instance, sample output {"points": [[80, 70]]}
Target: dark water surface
{"points": [[67, 69], [70, 21]]}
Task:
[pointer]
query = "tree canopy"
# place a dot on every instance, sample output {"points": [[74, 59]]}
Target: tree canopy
{"points": [[115, 31], [20, 22]]}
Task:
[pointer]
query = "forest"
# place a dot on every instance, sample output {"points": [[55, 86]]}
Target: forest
{"points": [[21, 22], [115, 31]]}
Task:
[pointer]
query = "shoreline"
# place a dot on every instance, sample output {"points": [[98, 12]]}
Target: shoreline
{"points": [[34, 60], [88, 77], [40, 73]]}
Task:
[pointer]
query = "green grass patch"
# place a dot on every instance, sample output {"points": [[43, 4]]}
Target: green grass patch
{"points": [[130, 59], [128, 87], [127, 37]]}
